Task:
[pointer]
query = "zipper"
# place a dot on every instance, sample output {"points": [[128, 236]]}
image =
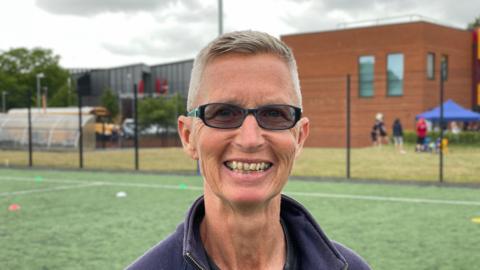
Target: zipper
{"points": [[193, 261]]}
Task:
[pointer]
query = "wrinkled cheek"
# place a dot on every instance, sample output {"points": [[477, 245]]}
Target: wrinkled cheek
{"points": [[289, 152], [206, 167], [210, 170]]}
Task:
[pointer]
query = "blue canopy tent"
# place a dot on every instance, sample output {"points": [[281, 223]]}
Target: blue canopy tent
{"points": [[451, 112]]}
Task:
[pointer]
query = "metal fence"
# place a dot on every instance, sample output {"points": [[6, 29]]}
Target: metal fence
{"points": [[340, 145]]}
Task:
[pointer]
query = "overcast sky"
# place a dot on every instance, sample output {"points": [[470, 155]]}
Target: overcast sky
{"points": [[108, 33]]}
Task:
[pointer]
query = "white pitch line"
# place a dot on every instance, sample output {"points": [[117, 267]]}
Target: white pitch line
{"points": [[32, 179], [152, 186], [67, 181], [41, 190], [382, 198], [306, 194]]}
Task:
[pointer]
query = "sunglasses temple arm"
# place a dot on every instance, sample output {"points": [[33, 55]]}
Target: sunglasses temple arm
{"points": [[194, 113]]}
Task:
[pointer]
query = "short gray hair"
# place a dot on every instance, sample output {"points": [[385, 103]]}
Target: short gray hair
{"points": [[244, 42]]}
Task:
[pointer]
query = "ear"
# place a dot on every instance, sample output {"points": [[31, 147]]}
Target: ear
{"points": [[185, 130], [304, 130]]}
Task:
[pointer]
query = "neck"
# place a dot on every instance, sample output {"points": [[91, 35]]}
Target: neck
{"points": [[243, 237]]}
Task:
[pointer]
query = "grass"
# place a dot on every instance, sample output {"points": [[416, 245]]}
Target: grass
{"points": [[66, 224], [151, 159], [461, 163]]}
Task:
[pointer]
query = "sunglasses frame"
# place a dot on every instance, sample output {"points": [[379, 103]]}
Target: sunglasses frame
{"points": [[199, 112]]}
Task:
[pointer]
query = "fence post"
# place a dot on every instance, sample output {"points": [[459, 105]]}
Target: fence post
{"points": [[80, 130], [135, 120], [30, 151], [442, 80], [348, 126], [103, 134]]}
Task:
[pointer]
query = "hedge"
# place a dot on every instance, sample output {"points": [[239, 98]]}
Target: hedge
{"points": [[462, 138]]}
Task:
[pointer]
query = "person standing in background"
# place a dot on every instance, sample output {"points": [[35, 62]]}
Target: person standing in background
{"points": [[397, 132], [379, 132], [421, 129]]}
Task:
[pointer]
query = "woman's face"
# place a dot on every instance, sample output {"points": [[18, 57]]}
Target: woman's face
{"points": [[249, 164]]}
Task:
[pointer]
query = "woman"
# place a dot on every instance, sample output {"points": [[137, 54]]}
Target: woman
{"points": [[245, 128]]}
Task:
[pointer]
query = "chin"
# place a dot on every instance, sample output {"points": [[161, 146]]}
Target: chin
{"points": [[250, 198]]}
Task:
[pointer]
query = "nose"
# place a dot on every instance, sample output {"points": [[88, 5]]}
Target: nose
{"points": [[250, 135]]}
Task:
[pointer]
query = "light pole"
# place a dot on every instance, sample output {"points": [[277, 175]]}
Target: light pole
{"points": [[4, 93], [45, 97], [220, 17], [128, 90], [69, 83], [39, 77]]}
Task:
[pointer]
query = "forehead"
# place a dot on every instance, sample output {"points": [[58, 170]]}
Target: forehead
{"points": [[249, 80]]}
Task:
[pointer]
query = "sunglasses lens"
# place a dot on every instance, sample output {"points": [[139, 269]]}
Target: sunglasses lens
{"points": [[223, 115], [276, 117], [273, 117]]}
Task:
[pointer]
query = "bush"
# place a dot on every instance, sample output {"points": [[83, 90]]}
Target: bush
{"points": [[463, 138]]}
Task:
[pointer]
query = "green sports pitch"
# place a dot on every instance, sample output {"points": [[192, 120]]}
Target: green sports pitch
{"points": [[104, 220]]}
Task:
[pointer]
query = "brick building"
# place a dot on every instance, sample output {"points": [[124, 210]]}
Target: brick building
{"points": [[394, 69]]}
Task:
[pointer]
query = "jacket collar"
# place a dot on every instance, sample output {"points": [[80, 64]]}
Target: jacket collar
{"points": [[314, 249]]}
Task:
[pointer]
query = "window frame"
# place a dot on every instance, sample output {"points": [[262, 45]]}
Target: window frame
{"points": [[431, 76], [361, 80], [389, 81]]}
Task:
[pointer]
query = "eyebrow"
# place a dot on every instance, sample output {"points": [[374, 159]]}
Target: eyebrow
{"points": [[264, 101]]}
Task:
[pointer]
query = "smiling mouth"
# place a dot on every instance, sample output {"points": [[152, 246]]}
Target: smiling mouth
{"points": [[246, 167]]}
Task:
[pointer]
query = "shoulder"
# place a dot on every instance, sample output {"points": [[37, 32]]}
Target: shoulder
{"points": [[355, 262], [165, 255]]}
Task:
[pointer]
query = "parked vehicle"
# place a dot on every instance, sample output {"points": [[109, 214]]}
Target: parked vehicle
{"points": [[128, 129]]}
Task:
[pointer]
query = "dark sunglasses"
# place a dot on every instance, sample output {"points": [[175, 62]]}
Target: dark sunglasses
{"points": [[228, 116]]}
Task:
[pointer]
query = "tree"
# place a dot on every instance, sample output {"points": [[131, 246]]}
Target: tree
{"points": [[109, 101], [161, 111], [474, 24], [18, 74], [155, 111], [179, 103], [65, 96]]}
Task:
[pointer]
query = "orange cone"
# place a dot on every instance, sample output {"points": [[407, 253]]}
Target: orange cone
{"points": [[14, 207]]}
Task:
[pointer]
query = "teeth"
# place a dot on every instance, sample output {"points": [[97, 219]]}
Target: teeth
{"points": [[247, 167]]}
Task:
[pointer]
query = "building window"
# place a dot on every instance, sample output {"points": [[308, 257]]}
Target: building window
{"points": [[366, 69], [395, 74], [431, 66], [444, 67]]}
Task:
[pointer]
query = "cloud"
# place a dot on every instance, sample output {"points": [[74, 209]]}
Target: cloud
{"points": [[138, 30], [177, 43], [458, 14], [95, 7], [171, 41], [329, 14], [187, 11], [147, 30], [178, 31]]}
